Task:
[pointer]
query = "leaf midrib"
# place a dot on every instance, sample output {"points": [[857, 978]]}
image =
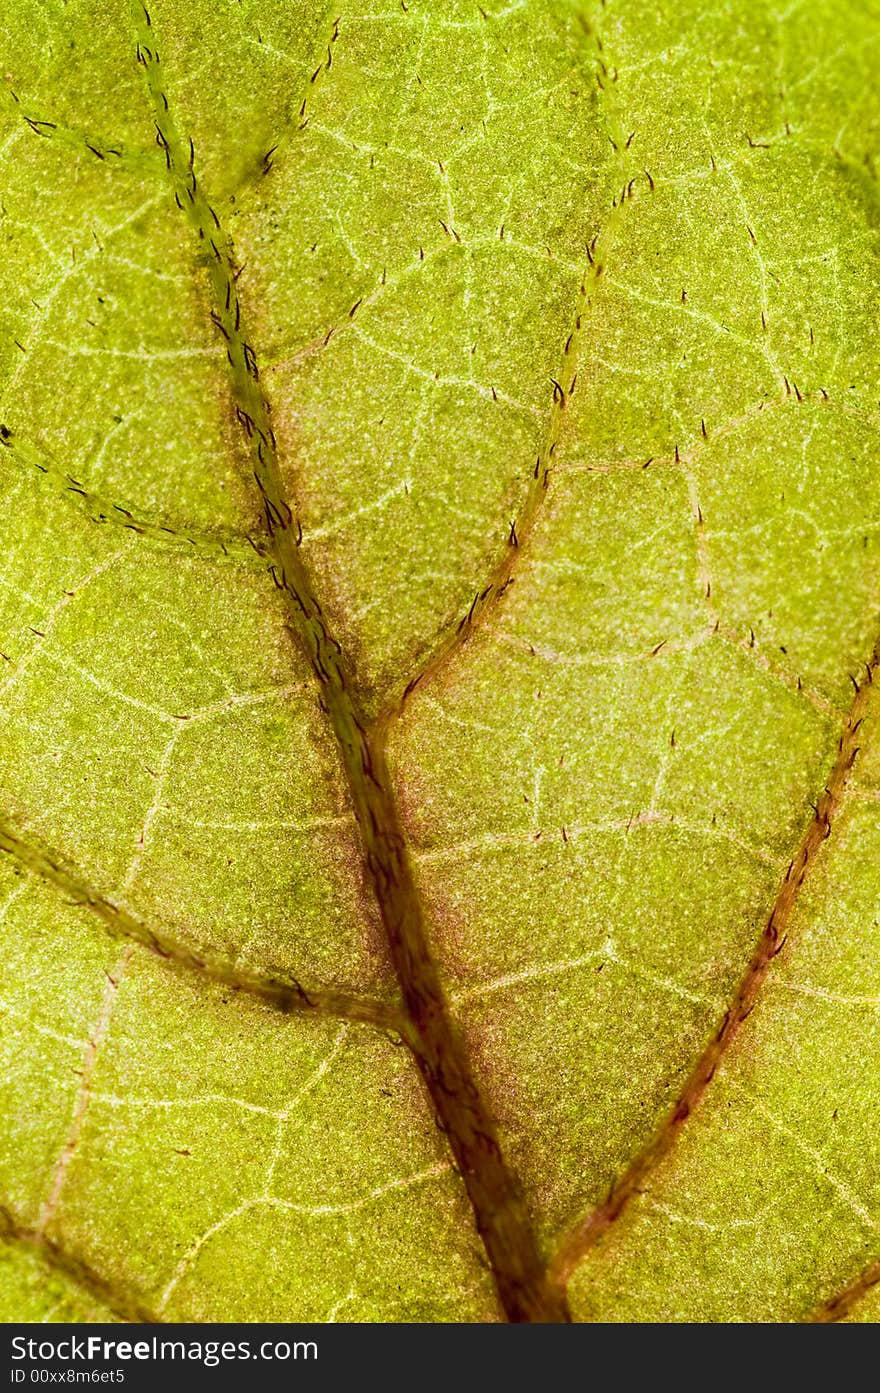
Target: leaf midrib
{"points": [[448, 644], [496, 1199]]}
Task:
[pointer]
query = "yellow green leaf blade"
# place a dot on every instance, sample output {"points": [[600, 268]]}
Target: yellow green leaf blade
{"points": [[602, 782]]}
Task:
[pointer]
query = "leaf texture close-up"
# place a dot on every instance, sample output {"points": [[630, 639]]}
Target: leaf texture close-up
{"points": [[439, 616]]}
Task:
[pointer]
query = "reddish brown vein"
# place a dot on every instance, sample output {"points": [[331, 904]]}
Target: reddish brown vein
{"points": [[282, 993], [839, 1306], [215, 546], [114, 154], [497, 1202], [73, 1270], [501, 574], [586, 1233]]}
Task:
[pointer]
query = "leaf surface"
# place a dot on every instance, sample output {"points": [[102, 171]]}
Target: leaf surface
{"points": [[563, 318]]}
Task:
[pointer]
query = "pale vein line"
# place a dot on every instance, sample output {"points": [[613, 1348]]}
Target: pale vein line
{"points": [[308, 1087], [70, 1040], [307, 1211], [201, 1100], [836, 998], [219, 708], [106, 688], [535, 973], [403, 1183], [846, 1193], [312, 824], [37, 327], [608, 952], [693, 1221], [15, 895], [83, 1095], [52, 618], [152, 811], [526, 838]]}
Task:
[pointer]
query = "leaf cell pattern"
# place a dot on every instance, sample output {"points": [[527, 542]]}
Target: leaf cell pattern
{"points": [[438, 623]]}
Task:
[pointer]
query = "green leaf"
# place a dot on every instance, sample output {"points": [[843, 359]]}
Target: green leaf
{"points": [[440, 764]]}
